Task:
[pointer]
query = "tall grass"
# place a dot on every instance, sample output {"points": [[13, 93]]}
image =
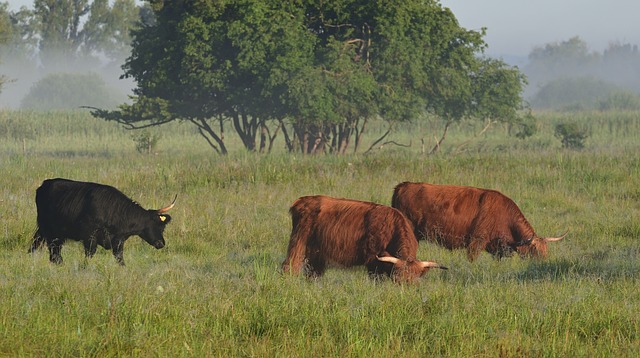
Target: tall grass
{"points": [[216, 289]]}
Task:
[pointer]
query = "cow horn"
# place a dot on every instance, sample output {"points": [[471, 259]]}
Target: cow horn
{"points": [[167, 208], [552, 239], [391, 259], [432, 264]]}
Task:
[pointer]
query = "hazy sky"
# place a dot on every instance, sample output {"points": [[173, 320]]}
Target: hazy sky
{"points": [[514, 27]]}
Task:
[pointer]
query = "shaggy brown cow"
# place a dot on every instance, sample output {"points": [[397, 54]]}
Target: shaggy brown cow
{"points": [[466, 217], [349, 233]]}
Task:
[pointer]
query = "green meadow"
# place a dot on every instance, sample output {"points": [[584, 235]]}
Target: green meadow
{"points": [[216, 288]]}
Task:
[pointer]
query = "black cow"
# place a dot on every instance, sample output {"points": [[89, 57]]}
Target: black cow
{"points": [[95, 214]]}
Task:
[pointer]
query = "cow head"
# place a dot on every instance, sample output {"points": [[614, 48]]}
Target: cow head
{"points": [[408, 271], [152, 233], [536, 247]]}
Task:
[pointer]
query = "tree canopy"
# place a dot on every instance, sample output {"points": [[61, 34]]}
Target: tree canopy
{"points": [[6, 32], [317, 71]]}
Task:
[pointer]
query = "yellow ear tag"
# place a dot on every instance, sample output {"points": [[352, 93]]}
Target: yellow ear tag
{"points": [[162, 218]]}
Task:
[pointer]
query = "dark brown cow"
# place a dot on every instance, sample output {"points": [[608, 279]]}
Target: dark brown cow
{"points": [[466, 217], [350, 233]]}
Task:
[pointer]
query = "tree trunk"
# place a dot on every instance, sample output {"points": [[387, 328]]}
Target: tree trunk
{"points": [[343, 137], [360, 132], [215, 141], [246, 128], [318, 144], [436, 147], [263, 137], [272, 138], [287, 140]]}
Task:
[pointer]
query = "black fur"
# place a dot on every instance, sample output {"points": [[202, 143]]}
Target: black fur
{"points": [[95, 214]]}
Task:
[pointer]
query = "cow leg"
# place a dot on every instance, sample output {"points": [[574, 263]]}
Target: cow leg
{"points": [[474, 247], [103, 237], [315, 267], [90, 241], [499, 249], [90, 246], [55, 247], [38, 240], [118, 248]]}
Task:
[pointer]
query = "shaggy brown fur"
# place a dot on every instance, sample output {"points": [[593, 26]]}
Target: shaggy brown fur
{"points": [[349, 233], [466, 217]]}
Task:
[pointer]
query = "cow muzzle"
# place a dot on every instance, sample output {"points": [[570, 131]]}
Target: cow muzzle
{"points": [[158, 244]]}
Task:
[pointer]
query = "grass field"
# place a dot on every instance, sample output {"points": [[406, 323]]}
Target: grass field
{"points": [[216, 289]]}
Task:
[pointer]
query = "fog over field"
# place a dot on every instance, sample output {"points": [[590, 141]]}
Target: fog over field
{"points": [[515, 30], [23, 75]]}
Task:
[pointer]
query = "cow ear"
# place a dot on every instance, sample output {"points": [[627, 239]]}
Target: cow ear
{"points": [[164, 218]]}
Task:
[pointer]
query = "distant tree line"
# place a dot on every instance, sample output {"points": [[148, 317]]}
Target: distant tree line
{"points": [[566, 75]]}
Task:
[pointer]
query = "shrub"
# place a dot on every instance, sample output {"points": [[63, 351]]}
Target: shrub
{"points": [[528, 126], [145, 142], [571, 135], [70, 90], [620, 100]]}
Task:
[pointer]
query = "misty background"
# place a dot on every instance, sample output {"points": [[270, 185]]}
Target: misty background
{"points": [[577, 54], [64, 54]]}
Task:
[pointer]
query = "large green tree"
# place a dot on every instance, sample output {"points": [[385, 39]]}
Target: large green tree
{"points": [[107, 30], [59, 26], [18, 48], [16, 37], [6, 30], [5, 33], [412, 57], [19, 34], [209, 62], [317, 70], [70, 30]]}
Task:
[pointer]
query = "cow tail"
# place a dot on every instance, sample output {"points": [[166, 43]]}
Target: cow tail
{"points": [[38, 240], [296, 252], [395, 199]]}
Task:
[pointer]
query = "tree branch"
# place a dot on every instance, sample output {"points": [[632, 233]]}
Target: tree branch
{"points": [[436, 147], [486, 127], [390, 142], [211, 144], [379, 139], [110, 116]]}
